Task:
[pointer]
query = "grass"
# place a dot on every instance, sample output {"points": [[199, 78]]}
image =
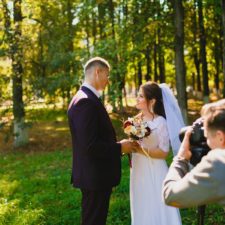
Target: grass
{"points": [[35, 184], [35, 190]]}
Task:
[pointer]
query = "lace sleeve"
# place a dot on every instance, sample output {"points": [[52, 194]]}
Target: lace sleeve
{"points": [[162, 132]]}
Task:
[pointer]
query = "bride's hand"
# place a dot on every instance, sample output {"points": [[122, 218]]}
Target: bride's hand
{"points": [[128, 146], [138, 148]]}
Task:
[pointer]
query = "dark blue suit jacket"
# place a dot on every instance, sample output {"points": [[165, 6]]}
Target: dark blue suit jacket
{"points": [[96, 155]]}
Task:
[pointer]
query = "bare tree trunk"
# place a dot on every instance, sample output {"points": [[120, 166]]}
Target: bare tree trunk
{"points": [[162, 76], [203, 53], [20, 129], [87, 35], [196, 53], [217, 65], [139, 74], [119, 77], [193, 81], [94, 28], [101, 14], [70, 31], [197, 66], [179, 57], [223, 20], [14, 37], [217, 52], [148, 65], [161, 63], [156, 76]]}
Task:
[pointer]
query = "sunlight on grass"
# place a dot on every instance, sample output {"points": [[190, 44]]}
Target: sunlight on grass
{"points": [[11, 213], [31, 217], [7, 208], [62, 129], [60, 118], [49, 128], [8, 187]]}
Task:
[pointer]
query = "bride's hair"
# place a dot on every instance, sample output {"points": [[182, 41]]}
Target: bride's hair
{"points": [[151, 90]]}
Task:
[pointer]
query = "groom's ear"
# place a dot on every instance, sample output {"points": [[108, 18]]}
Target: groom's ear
{"points": [[97, 71]]}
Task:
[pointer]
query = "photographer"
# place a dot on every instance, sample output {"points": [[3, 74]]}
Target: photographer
{"points": [[205, 183]]}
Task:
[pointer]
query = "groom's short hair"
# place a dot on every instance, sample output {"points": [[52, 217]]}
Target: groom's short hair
{"points": [[96, 62]]}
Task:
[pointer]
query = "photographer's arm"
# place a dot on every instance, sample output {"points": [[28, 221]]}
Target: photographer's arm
{"points": [[198, 187]]}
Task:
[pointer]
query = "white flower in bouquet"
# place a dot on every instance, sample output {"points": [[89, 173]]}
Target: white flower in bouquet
{"points": [[136, 128]]}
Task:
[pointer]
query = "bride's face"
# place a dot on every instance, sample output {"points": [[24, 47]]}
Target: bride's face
{"points": [[141, 101]]}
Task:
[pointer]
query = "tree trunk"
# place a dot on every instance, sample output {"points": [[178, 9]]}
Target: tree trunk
{"points": [[69, 67], [135, 77], [161, 63], [148, 65], [223, 20], [139, 74], [202, 38], [94, 28], [217, 65], [196, 53], [87, 35], [197, 66], [193, 83], [162, 76], [20, 129], [156, 76], [101, 15], [119, 80], [179, 57]]}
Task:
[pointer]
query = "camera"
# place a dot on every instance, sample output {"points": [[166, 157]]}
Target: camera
{"points": [[198, 142]]}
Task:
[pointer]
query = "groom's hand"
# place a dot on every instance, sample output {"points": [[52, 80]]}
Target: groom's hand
{"points": [[128, 146]]}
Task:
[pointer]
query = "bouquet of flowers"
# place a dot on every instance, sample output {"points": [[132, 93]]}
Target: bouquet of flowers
{"points": [[136, 129]]}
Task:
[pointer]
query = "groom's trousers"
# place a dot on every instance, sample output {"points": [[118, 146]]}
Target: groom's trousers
{"points": [[95, 205]]}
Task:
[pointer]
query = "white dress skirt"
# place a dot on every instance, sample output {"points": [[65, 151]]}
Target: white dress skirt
{"points": [[146, 179]]}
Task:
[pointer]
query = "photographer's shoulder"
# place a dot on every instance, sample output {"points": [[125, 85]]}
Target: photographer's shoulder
{"points": [[217, 151], [216, 158]]}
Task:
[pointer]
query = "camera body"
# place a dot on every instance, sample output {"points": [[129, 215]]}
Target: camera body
{"points": [[198, 142]]}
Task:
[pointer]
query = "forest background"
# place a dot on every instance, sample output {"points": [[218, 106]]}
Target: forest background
{"points": [[43, 47]]}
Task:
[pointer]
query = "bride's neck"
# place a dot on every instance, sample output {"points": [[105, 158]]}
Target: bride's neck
{"points": [[147, 115]]}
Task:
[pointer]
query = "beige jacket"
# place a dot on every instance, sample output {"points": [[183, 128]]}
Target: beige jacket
{"points": [[204, 184]]}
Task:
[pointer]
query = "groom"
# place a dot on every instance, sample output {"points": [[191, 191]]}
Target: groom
{"points": [[96, 153]]}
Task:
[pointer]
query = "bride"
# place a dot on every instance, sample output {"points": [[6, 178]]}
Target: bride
{"points": [[156, 104]]}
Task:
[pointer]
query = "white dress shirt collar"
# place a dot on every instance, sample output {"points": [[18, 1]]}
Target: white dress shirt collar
{"points": [[85, 84]]}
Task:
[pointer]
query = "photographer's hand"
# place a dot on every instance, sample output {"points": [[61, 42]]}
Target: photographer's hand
{"points": [[184, 151]]}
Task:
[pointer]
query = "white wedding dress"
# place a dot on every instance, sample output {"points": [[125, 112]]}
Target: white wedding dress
{"points": [[146, 179]]}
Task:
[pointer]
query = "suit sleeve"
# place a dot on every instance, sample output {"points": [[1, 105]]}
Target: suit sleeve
{"points": [[86, 123], [198, 187]]}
